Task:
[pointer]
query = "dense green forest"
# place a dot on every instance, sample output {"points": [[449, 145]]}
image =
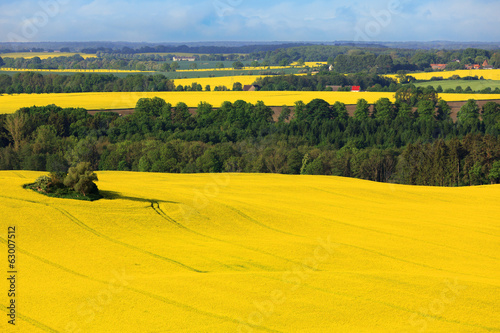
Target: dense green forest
{"points": [[388, 142], [30, 82]]}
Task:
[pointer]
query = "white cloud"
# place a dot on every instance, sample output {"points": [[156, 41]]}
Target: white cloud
{"points": [[176, 20]]}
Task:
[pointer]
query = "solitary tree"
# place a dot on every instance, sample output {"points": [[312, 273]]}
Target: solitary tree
{"points": [[237, 65], [174, 66], [237, 86], [81, 178]]}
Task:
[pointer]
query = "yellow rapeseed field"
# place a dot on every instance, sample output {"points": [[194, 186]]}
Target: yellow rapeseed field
{"points": [[128, 100], [252, 253], [227, 81], [43, 55], [73, 70], [487, 74], [261, 68], [110, 101]]}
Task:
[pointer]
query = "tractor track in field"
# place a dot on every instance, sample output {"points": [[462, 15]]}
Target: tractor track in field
{"points": [[237, 211], [103, 236], [140, 291], [409, 261], [226, 318], [390, 305], [160, 212], [411, 238], [18, 174], [437, 223]]}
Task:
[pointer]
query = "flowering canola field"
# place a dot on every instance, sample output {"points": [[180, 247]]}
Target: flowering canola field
{"points": [[44, 55], [128, 100], [253, 253], [487, 74], [73, 70]]}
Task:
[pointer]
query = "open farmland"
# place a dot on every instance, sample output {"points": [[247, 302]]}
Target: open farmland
{"points": [[254, 253], [112, 101], [128, 100], [72, 71], [44, 55], [487, 74], [475, 85]]}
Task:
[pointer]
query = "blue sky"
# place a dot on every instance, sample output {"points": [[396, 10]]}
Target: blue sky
{"points": [[245, 20]]}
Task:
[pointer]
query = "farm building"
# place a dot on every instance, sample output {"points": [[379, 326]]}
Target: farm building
{"points": [[356, 89], [438, 67], [475, 66], [486, 65], [334, 88], [184, 58], [251, 87]]}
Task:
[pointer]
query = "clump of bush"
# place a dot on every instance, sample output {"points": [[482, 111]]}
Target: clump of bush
{"points": [[77, 183]]}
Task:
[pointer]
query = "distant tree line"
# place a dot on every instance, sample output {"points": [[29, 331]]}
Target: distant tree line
{"points": [[324, 79], [343, 58], [30, 82], [411, 141]]}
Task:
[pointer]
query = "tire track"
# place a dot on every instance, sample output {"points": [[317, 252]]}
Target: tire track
{"points": [[390, 305], [436, 223], [411, 238], [409, 261], [257, 222], [142, 292], [18, 174], [31, 321], [98, 234], [160, 212]]}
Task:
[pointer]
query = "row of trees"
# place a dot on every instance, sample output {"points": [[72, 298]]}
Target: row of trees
{"points": [[322, 80], [30, 82], [344, 58], [385, 142]]}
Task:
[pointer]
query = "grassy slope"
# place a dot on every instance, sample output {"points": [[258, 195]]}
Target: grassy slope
{"points": [[234, 253]]}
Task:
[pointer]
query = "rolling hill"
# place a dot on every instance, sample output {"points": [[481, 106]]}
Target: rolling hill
{"points": [[253, 253]]}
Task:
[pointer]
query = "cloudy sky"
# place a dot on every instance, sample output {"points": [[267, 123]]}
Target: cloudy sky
{"points": [[245, 20]]}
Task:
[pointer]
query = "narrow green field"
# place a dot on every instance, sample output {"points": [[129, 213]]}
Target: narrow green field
{"points": [[475, 85]]}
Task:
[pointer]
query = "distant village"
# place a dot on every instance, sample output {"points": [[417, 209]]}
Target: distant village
{"points": [[441, 67]]}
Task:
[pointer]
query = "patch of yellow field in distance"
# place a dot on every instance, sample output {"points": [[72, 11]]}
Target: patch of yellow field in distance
{"points": [[261, 68], [119, 100], [44, 55], [253, 253], [73, 70], [487, 74], [128, 100], [227, 81]]}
